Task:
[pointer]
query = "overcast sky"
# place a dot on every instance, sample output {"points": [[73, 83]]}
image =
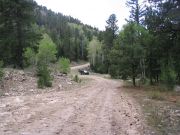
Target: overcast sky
{"points": [[92, 12]]}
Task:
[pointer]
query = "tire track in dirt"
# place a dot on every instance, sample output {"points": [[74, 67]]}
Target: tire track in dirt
{"points": [[99, 108], [126, 116], [63, 116], [65, 109]]}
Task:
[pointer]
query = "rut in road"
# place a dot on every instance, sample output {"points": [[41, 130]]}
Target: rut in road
{"points": [[99, 108]]}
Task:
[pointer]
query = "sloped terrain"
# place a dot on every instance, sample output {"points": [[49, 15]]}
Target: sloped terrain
{"points": [[19, 82], [97, 108]]}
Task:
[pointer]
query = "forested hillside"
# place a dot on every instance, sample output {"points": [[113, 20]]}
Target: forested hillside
{"points": [[69, 34], [23, 24]]}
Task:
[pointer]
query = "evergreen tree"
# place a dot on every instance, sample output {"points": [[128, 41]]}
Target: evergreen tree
{"points": [[126, 54], [136, 12], [136, 16], [111, 31], [110, 35], [165, 30], [17, 17]]}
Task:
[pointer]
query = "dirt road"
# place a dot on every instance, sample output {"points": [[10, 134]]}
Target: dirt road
{"points": [[99, 108], [80, 66]]}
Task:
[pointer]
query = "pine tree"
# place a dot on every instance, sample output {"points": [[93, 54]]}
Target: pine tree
{"points": [[136, 16], [17, 17], [127, 52], [111, 30], [162, 21], [136, 12], [109, 36]]}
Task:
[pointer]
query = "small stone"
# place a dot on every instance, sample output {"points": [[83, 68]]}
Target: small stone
{"points": [[31, 90], [70, 83], [113, 124], [60, 86], [177, 111], [45, 125], [6, 94], [23, 79], [18, 100], [177, 88]]}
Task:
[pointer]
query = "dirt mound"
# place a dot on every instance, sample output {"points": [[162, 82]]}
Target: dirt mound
{"points": [[19, 82]]}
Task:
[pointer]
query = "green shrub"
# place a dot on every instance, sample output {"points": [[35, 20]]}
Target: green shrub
{"points": [[44, 76], [46, 54], [77, 79], [64, 65], [47, 50], [113, 71], [41, 83], [168, 77], [99, 68], [1, 70], [29, 57]]}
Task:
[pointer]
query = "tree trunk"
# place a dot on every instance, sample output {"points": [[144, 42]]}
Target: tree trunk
{"points": [[142, 68], [19, 47], [151, 72], [134, 81], [133, 75], [151, 81]]}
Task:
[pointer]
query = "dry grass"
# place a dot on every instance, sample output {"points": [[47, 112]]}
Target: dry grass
{"points": [[161, 108], [156, 95]]}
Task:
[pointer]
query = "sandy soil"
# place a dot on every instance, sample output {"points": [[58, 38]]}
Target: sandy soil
{"points": [[98, 108]]}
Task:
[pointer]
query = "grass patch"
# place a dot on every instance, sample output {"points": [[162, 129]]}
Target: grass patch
{"points": [[156, 95], [163, 118], [161, 108], [77, 79], [1, 93]]}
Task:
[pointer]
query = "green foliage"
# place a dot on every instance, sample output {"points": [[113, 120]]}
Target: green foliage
{"points": [[64, 65], [21, 22], [96, 56], [29, 57], [77, 79], [44, 76], [1, 70], [113, 71], [127, 53], [95, 51], [111, 30], [109, 36], [151, 36], [100, 68], [46, 54], [136, 12], [69, 34], [17, 17], [168, 77], [47, 50]]}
